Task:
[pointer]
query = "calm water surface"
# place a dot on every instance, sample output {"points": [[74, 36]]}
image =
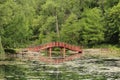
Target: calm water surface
{"points": [[87, 69]]}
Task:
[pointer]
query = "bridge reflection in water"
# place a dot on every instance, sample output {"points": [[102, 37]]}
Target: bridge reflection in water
{"points": [[37, 50]]}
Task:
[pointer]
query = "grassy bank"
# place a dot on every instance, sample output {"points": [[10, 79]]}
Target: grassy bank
{"points": [[110, 52]]}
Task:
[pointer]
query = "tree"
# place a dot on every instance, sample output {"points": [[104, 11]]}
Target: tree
{"points": [[87, 31], [51, 18], [106, 4], [112, 18], [5, 14], [70, 30], [53, 15], [92, 27], [16, 18], [2, 53], [41, 21]]}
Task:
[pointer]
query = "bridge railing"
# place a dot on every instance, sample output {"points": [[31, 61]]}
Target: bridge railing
{"points": [[55, 44]]}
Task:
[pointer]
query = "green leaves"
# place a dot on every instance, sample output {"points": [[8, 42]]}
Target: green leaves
{"points": [[85, 22], [112, 24], [69, 31], [92, 26], [87, 30], [15, 22]]}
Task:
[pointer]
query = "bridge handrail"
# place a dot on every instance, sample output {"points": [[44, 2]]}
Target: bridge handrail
{"points": [[55, 44]]}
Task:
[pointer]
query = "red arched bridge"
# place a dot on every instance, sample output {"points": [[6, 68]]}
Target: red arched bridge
{"points": [[49, 47]]}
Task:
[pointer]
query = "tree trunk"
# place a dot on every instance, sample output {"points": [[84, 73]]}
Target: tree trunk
{"points": [[2, 53], [57, 27]]}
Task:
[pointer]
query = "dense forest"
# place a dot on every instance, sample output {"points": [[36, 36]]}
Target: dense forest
{"points": [[79, 22]]}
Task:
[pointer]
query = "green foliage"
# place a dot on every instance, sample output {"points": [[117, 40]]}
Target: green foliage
{"points": [[92, 27], [88, 30], [70, 30], [112, 19], [85, 22], [16, 23]]}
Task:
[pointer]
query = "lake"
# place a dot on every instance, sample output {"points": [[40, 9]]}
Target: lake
{"points": [[79, 69]]}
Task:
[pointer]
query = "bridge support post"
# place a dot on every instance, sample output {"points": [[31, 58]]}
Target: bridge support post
{"points": [[64, 52], [50, 52]]}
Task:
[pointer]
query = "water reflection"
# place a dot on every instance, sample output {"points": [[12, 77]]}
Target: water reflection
{"points": [[80, 70]]}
